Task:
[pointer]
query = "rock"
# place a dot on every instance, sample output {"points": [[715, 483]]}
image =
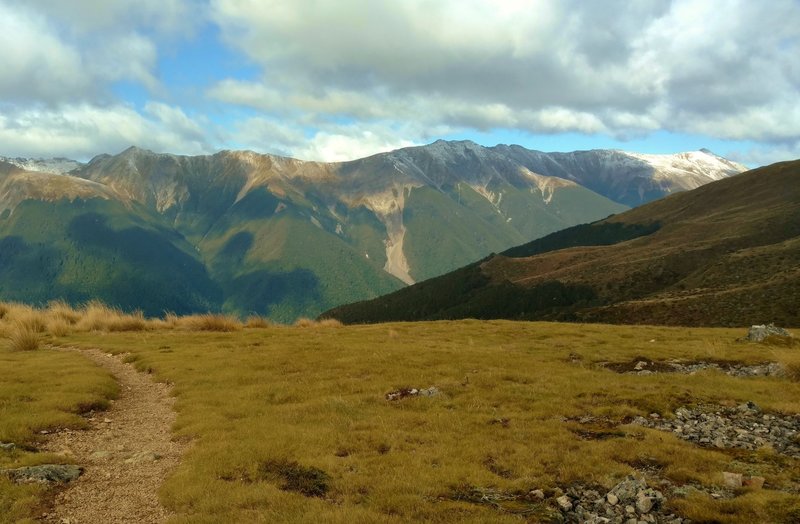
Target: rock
{"points": [[412, 392], [759, 333], [7, 446], [45, 473], [537, 494], [643, 503], [612, 499], [142, 456], [564, 503], [640, 365], [106, 421], [732, 480]]}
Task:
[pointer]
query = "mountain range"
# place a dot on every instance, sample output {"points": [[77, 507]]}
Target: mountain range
{"points": [[724, 254], [247, 233]]}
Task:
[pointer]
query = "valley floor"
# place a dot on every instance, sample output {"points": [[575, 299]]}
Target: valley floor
{"points": [[462, 421]]}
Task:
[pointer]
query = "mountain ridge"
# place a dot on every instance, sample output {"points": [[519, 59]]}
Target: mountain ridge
{"points": [[286, 237], [724, 254]]}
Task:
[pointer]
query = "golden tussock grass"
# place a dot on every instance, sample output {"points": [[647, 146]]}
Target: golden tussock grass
{"points": [[310, 323], [210, 322], [257, 321], [24, 336], [281, 413]]}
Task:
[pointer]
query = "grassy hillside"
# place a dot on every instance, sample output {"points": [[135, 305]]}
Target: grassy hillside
{"points": [[100, 249], [293, 424], [725, 254]]}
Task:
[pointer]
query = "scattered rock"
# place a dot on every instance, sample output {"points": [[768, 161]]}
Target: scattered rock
{"points": [[412, 392], [631, 500], [639, 366], [732, 480], [8, 446], [45, 473], [564, 503], [537, 494], [760, 333], [744, 427]]}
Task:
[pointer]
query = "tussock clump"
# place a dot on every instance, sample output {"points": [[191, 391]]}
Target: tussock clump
{"points": [[24, 336], [127, 322], [30, 317], [310, 481], [95, 316], [304, 322], [257, 321], [58, 327], [60, 310], [210, 322], [100, 317], [791, 367]]}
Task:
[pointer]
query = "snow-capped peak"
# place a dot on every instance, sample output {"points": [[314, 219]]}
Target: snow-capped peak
{"points": [[54, 166]]}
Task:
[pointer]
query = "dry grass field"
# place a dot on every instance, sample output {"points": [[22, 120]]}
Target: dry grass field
{"points": [[293, 424]]}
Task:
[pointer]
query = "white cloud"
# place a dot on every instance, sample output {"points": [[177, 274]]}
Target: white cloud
{"points": [[82, 130], [724, 68]]}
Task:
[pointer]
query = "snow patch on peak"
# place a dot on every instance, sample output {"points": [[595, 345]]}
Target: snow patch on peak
{"points": [[691, 169], [53, 166]]}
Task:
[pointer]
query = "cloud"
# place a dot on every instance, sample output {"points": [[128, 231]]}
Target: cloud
{"points": [[724, 68], [82, 130]]}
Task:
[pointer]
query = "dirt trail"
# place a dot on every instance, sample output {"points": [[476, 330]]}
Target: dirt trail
{"points": [[127, 453]]}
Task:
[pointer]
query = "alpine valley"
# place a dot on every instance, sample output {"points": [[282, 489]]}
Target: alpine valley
{"points": [[248, 233]]}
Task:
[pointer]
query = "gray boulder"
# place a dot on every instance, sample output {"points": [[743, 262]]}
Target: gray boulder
{"points": [[759, 333], [45, 473]]}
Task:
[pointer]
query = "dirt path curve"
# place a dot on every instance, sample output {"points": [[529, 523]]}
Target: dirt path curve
{"points": [[126, 454]]}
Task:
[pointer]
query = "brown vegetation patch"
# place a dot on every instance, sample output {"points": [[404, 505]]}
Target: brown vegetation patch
{"points": [[519, 502], [309, 481]]}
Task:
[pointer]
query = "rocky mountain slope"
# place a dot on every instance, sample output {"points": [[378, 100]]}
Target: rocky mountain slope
{"points": [[284, 237], [727, 253]]}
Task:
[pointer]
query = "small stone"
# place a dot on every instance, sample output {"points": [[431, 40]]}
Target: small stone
{"points": [[655, 415], [44, 432], [7, 446], [732, 480], [640, 365], [630, 510], [612, 499], [537, 494], [564, 503], [106, 421], [644, 503]]}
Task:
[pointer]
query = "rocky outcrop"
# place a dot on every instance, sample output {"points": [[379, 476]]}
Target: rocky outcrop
{"points": [[744, 427], [45, 473], [760, 333]]}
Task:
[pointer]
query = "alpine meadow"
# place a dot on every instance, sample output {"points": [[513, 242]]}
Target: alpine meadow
{"points": [[513, 261]]}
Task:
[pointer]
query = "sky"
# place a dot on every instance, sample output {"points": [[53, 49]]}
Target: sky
{"points": [[341, 79]]}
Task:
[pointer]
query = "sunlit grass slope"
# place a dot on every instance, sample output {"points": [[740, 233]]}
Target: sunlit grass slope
{"points": [[292, 424], [41, 390]]}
